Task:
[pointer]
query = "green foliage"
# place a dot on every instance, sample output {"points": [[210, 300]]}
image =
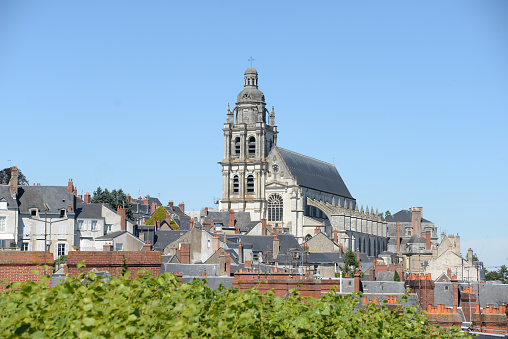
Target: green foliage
{"points": [[388, 214], [91, 307], [475, 257], [350, 263], [5, 176], [501, 275], [114, 198], [396, 276]]}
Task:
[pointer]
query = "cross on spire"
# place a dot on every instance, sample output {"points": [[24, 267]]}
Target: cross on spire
{"points": [[251, 60]]}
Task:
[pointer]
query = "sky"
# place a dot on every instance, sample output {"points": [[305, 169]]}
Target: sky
{"points": [[409, 99]]}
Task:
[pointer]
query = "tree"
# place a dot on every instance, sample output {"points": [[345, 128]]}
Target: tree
{"points": [[350, 263], [114, 198], [388, 214], [501, 275], [475, 257], [5, 177], [396, 276], [159, 215]]}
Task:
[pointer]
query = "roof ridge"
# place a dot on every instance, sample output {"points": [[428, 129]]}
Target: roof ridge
{"points": [[306, 156]]}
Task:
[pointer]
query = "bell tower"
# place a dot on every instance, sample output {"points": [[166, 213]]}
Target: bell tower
{"points": [[248, 138]]}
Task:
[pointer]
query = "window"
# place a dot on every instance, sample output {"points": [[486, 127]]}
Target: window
{"points": [[24, 246], [33, 212], [119, 247], [237, 146], [250, 184], [108, 228], [252, 147], [94, 225], [62, 213], [275, 207], [80, 224], [2, 224], [408, 231], [236, 185], [61, 250]]}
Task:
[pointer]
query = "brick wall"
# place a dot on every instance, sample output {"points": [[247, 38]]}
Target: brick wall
{"points": [[113, 262], [493, 320], [18, 266], [423, 286]]}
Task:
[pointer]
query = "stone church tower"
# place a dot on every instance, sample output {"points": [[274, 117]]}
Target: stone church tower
{"points": [[248, 138]]}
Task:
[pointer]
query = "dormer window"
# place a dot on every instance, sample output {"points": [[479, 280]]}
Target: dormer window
{"points": [[62, 213], [34, 212]]}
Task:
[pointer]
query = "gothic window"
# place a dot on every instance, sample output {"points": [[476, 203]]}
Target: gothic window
{"points": [[250, 184], [252, 146], [308, 237], [236, 185], [275, 207], [237, 146]]}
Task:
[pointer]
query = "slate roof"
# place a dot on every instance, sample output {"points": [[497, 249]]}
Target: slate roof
{"points": [[322, 258], [242, 219], [5, 192], [90, 211], [315, 174], [57, 197], [264, 243], [403, 216], [111, 235], [165, 237]]}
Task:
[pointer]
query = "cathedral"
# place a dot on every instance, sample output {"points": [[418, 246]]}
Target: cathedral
{"points": [[290, 190]]}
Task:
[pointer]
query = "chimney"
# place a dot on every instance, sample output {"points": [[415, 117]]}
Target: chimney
{"points": [[80, 196], [248, 264], [75, 191], [107, 247], [87, 198], [147, 247], [317, 230], [121, 211], [146, 200], [398, 236], [168, 219], [228, 264], [70, 186], [153, 207], [416, 216], [182, 206], [335, 236], [183, 253], [13, 182], [275, 249], [449, 272], [206, 211], [357, 281], [216, 243], [170, 204], [427, 240], [231, 218], [237, 231], [263, 226], [191, 223], [358, 255], [470, 257], [455, 283], [240, 252], [341, 250]]}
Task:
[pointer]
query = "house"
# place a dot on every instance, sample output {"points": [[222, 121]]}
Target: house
{"points": [[8, 218], [93, 221], [120, 241]]}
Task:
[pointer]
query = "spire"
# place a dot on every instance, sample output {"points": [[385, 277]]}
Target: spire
{"points": [[230, 118], [367, 210], [271, 120]]}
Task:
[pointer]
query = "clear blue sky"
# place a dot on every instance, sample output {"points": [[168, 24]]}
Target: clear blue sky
{"points": [[408, 99]]}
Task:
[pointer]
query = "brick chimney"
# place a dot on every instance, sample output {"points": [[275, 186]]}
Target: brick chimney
{"points": [[237, 231], [455, 283], [427, 240], [107, 247], [358, 255], [153, 207], [75, 191], [470, 256], [275, 247], [182, 206], [216, 243], [170, 204], [449, 272], [416, 217], [317, 230], [87, 198], [398, 236], [191, 223], [121, 211], [183, 252], [335, 236], [263, 226], [240, 252], [146, 200], [13, 182], [206, 211], [70, 186], [231, 218], [147, 247], [168, 219], [357, 281]]}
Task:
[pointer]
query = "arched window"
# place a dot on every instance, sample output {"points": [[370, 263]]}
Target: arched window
{"points": [[250, 184], [236, 185], [252, 146], [275, 207], [308, 237], [237, 146]]}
